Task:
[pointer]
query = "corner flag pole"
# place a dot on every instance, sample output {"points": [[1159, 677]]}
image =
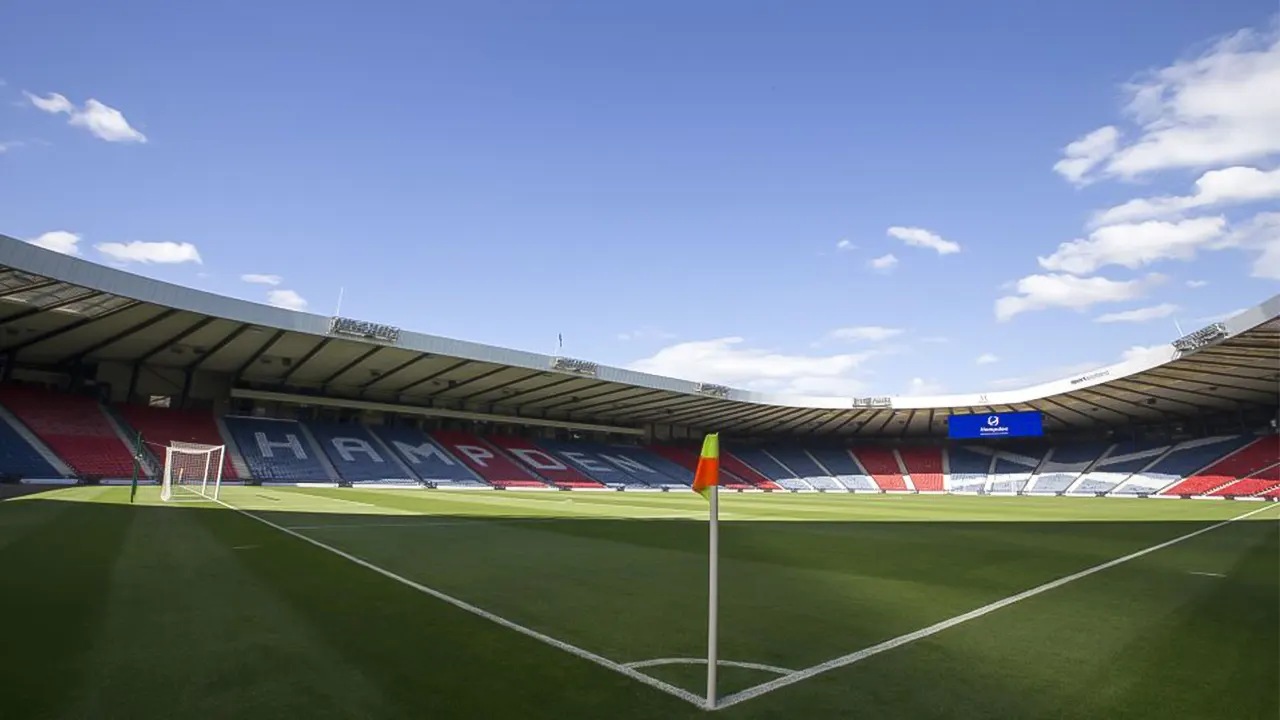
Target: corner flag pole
{"points": [[713, 597], [706, 482]]}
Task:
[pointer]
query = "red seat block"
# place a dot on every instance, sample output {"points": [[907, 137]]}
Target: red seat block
{"points": [[883, 467], [487, 461], [687, 458], [542, 463], [924, 465], [164, 426], [1253, 457], [72, 426]]}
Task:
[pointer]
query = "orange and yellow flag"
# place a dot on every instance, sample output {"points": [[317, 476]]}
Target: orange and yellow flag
{"points": [[708, 473]]}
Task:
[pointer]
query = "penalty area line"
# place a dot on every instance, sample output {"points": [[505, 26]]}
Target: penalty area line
{"points": [[901, 640], [497, 619]]}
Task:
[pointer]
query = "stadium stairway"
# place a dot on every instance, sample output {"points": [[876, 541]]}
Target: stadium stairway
{"points": [[74, 427], [883, 466], [486, 460], [840, 464], [543, 464], [1181, 461], [1255, 484], [22, 454], [277, 450], [358, 456], [765, 464], [1063, 465], [593, 461], [161, 427], [1012, 471], [427, 459], [924, 466], [688, 459], [1257, 455]]}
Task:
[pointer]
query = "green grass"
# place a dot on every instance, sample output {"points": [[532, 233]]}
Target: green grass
{"points": [[152, 610]]}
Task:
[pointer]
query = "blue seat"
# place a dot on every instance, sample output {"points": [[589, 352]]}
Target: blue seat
{"points": [[804, 467], [356, 455], [845, 469], [18, 457], [275, 449], [427, 459], [968, 468]]}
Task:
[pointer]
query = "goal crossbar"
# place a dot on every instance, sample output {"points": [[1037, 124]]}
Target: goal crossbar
{"points": [[192, 472]]}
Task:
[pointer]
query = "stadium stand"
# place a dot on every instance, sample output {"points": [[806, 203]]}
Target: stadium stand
{"points": [[840, 464], [427, 459], [542, 464], [1261, 453], [74, 427], [883, 466], [165, 426], [485, 460], [357, 455], [277, 450], [1183, 460], [1116, 466], [1063, 466], [1256, 484], [734, 465], [688, 459], [924, 465], [653, 469], [970, 469], [803, 466], [18, 457], [1012, 471], [763, 463], [1271, 494], [592, 460]]}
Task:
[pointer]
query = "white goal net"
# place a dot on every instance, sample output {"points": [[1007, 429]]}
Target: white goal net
{"points": [[192, 472]]}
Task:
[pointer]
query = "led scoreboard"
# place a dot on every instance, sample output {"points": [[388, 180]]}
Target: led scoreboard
{"points": [[995, 425]]}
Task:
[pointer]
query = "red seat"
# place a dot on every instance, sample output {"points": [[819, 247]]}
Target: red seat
{"points": [[924, 465], [1252, 485], [487, 461], [542, 463], [72, 426], [1253, 457], [687, 458], [164, 426], [883, 467]]}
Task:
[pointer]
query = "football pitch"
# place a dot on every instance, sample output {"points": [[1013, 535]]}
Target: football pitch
{"points": [[343, 603]]}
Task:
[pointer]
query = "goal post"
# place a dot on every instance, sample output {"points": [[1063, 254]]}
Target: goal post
{"points": [[192, 472]]}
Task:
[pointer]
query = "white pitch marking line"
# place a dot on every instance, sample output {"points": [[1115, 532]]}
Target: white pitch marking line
{"points": [[865, 653], [553, 642], [244, 547], [1206, 574], [427, 523], [703, 661]]}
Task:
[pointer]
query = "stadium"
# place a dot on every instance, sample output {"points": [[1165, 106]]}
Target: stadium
{"points": [[282, 513]]}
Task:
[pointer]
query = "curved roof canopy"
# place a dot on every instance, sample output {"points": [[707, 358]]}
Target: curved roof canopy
{"points": [[60, 310]]}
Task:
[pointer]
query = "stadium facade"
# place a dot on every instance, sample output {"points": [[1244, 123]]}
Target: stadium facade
{"points": [[133, 349]]}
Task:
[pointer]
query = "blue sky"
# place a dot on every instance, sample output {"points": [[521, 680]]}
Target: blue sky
{"points": [[711, 190]]}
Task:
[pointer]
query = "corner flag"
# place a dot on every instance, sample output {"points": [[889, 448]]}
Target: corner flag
{"points": [[708, 473]]}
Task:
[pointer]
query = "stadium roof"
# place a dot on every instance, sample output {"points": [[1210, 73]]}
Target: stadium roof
{"points": [[59, 310]]}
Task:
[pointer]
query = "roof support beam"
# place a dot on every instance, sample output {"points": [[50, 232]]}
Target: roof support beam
{"points": [[529, 391], [852, 416], [23, 315], [502, 386], [200, 325], [767, 416], [256, 354], [231, 336], [642, 394], [28, 288], [13, 350], [315, 350], [448, 369], [481, 376], [111, 339], [345, 368], [402, 366], [703, 409]]}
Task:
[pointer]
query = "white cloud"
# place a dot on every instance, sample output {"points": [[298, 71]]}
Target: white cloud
{"points": [[647, 333], [1261, 233], [1219, 317], [287, 299], [1049, 374], [1228, 186], [104, 121], [846, 245], [150, 252], [1038, 292], [1139, 244], [919, 237], [884, 263], [986, 359], [258, 279], [869, 333], [920, 386], [1219, 108], [1146, 353], [1154, 312], [935, 339], [1193, 284], [10, 145], [728, 361], [1086, 153], [60, 241]]}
